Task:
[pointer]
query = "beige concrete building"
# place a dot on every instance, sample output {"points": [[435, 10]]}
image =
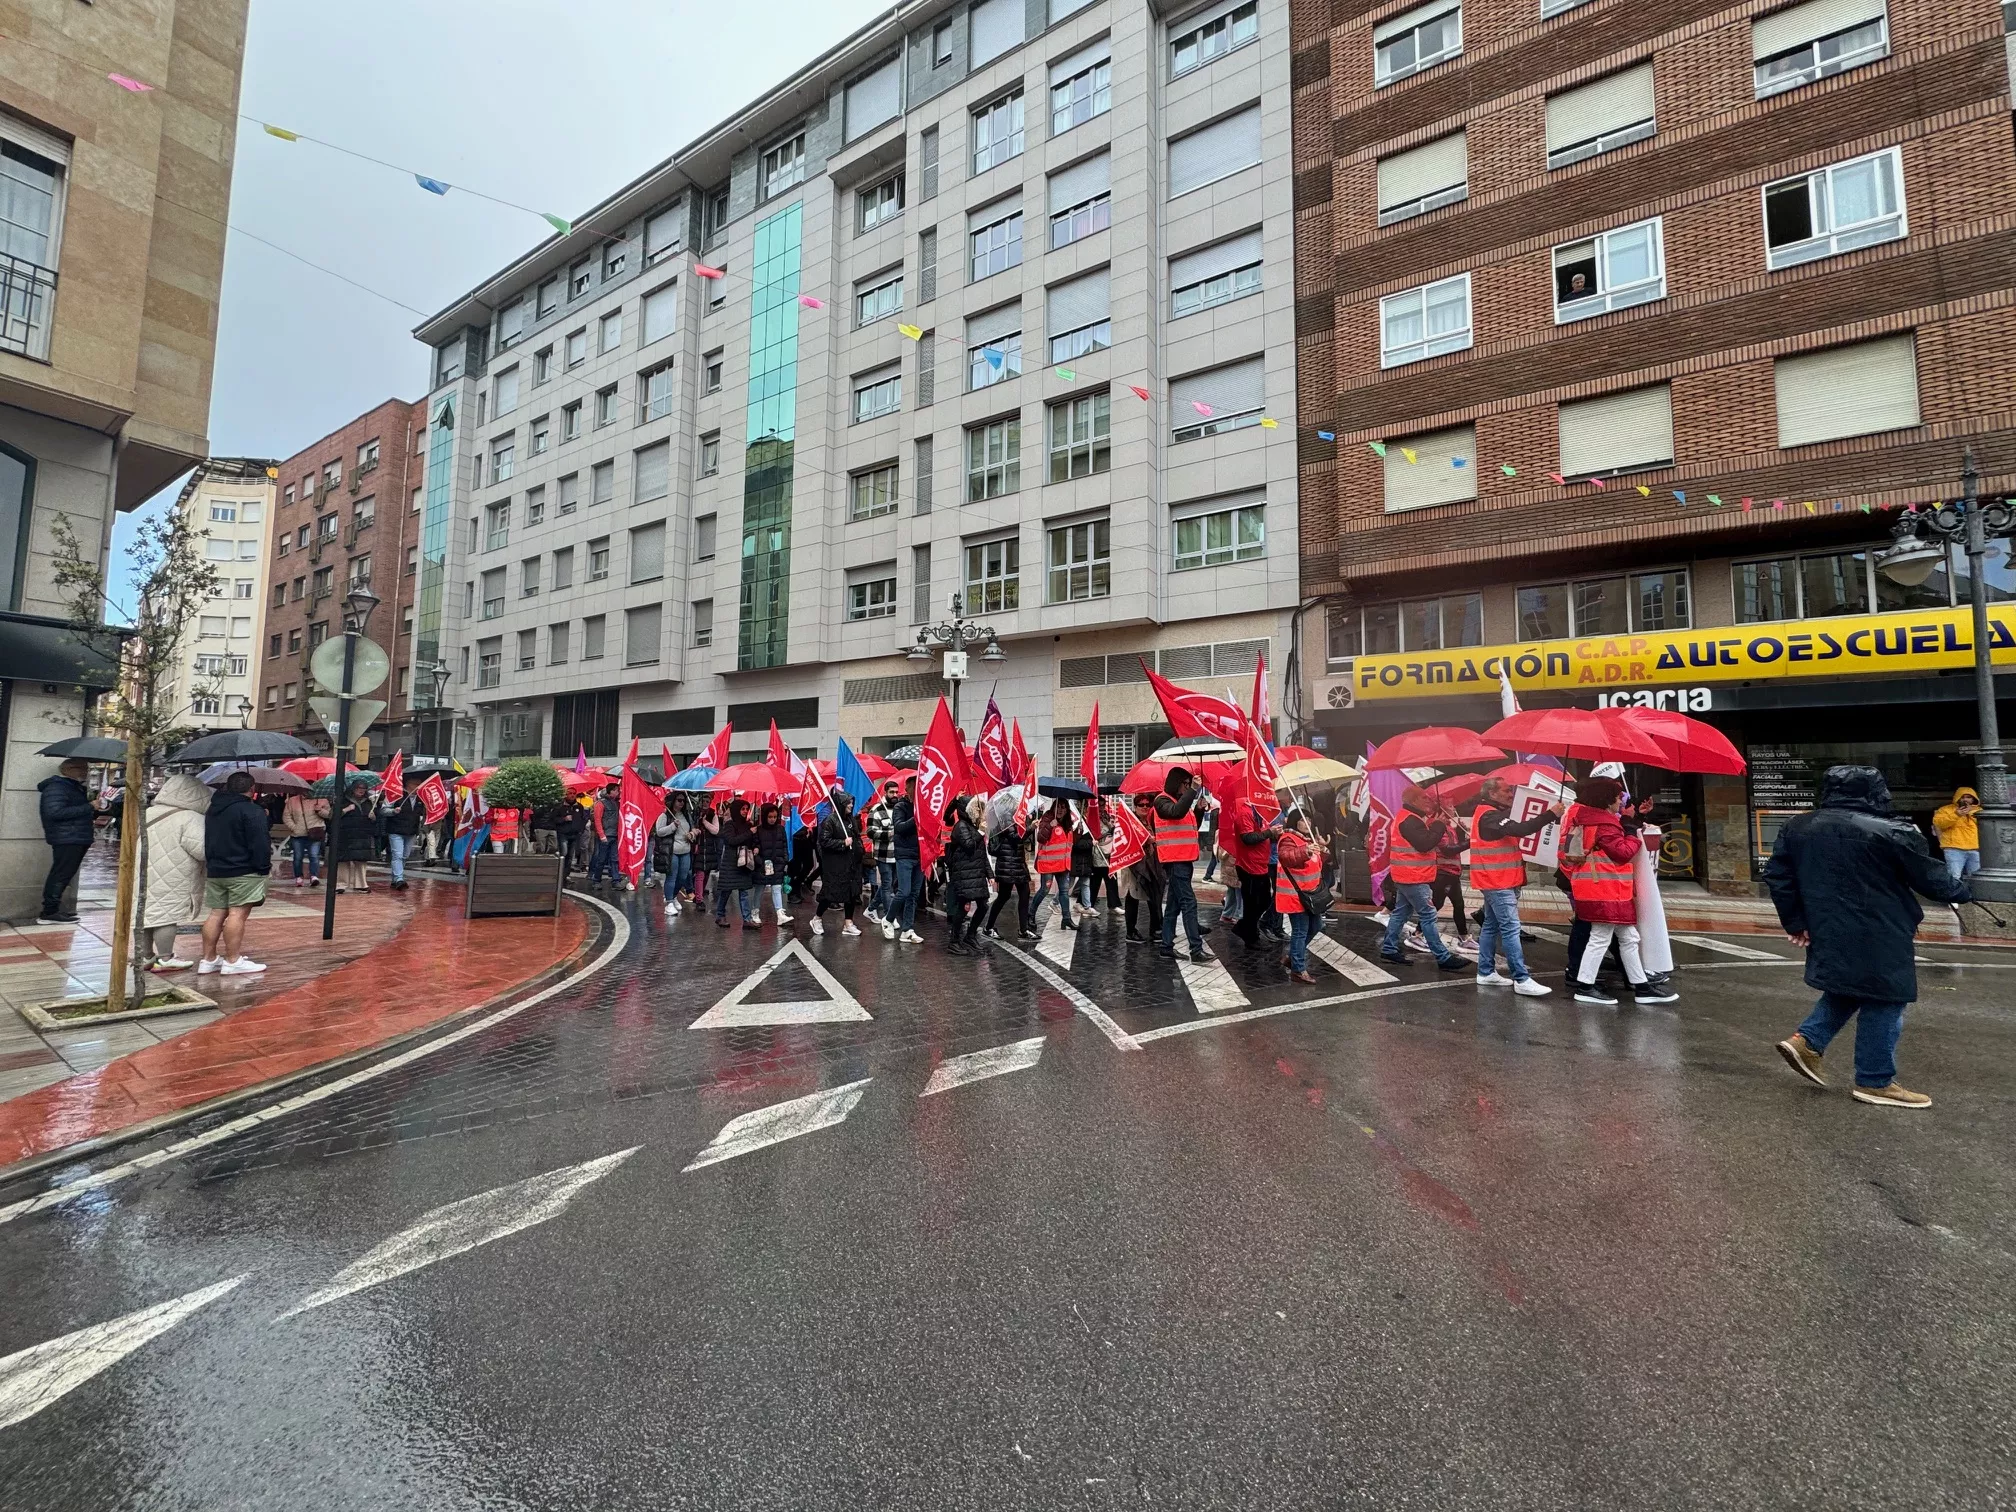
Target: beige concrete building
{"points": [[112, 212], [229, 501]]}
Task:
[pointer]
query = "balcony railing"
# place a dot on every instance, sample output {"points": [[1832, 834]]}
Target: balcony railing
{"points": [[27, 296]]}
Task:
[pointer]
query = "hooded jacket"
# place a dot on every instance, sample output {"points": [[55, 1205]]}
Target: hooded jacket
{"points": [[1849, 875], [236, 838], [1604, 831], [175, 826], [1958, 831], [839, 851], [66, 811], [966, 860]]}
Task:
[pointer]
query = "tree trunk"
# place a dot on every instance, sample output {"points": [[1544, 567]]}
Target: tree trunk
{"points": [[132, 820]]}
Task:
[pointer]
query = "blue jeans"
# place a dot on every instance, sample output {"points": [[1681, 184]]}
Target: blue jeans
{"points": [[885, 898], [1299, 930], [396, 847], [1500, 931], [306, 850], [1416, 898], [909, 885], [1962, 863], [1063, 881], [1876, 1034], [602, 862], [1180, 899], [680, 878], [741, 896]]}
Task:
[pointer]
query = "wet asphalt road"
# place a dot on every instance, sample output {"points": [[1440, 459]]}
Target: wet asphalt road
{"points": [[1434, 1249]]}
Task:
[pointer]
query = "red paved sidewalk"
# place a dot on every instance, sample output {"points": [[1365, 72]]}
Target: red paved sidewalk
{"points": [[422, 960]]}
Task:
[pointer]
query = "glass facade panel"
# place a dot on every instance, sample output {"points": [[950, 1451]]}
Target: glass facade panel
{"points": [[1836, 584], [434, 546], [768, 464]]}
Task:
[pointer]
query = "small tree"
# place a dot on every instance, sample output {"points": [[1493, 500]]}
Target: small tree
{"points": [[523, 782], [174, 582]]}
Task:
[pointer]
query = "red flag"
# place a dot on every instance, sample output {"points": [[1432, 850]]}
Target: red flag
{"points": [[992, 754], [1196, 715], [811, 794], [1019, 758], [782, 757], [433, 796], [941, 769], [1088, 760], [632, 833], [665, 765], [977, 778], [715, 757], [1262, 716], [1133, 842], [393, 786]]}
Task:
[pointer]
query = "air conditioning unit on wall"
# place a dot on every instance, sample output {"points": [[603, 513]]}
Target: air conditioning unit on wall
{"points": [[1334, 693]]}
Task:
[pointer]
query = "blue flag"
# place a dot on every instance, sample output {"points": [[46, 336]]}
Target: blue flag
{"points": [[853, 780], [432, 186]]}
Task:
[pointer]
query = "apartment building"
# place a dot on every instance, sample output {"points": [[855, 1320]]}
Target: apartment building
{"points": [[348, 516], [1621, 323], [987, 310], [229, 502], [112, 212]]}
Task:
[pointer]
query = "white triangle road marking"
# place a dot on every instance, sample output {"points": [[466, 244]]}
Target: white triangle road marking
{"points": [[33, 1378], [1723, 947], [1211, 986], [462, 1226], [735, 1012], [1002, 1060], [762, 1127], [1354, 968]]}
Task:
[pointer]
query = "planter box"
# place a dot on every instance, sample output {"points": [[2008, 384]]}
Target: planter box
{"points": [[513, 885], [186, 1000]]}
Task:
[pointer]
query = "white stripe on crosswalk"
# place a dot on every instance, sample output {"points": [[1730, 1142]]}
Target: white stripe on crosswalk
{"points": [[763, 1127], [981, 1064], [1121, 1039], [1210, 985], [1724, 947], [1275, 1010], [1541, 932], [1348, 963], [1057, 945]]}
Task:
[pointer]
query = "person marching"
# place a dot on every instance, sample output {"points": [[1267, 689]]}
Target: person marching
{"points": [[1011, 879], [839, 865], [1498, 871], [1143, 882], [1297, 878], [1602, 888], [773, 860], [1410, 868], [1250, 839], [1054, 832], [1177, 847], [965, 875]]}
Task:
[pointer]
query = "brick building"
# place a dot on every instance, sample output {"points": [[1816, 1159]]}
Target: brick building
{"points": [[346, 515], [1566, 274]]}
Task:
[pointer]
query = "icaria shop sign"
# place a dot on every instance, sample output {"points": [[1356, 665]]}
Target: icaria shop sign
{"points": [[1680, 700], [1851, 646]]}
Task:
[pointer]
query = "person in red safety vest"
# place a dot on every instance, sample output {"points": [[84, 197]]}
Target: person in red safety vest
{"points": [[1298, 875], [1177, 847], [1410, 866], [1054, 833], [1605, 896], [1498, 871]]}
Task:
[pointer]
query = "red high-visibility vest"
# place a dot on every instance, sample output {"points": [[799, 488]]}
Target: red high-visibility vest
{"points": [[1053, 854], [1598, 879], [1495, 863], [1307, 877], [1176, 839], [1403, 862]]}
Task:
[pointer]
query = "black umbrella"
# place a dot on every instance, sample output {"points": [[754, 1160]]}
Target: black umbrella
{"points": [[1063, 787], [905, 756], [240, 745], [87, 748]]}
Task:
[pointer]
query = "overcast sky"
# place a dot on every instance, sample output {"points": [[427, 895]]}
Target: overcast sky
{"points": [[550, 103]]}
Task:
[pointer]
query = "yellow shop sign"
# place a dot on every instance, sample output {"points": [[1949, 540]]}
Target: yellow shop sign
{"points": [[1851, 646]]}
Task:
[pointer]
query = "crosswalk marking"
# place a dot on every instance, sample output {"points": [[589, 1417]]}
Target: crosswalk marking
{"points": [[839, 1006], [1352, 966], [1724, 947], [33, 1378], [763, 1127], [1210, 985], [981, 1064], [458, 1227], [1058, 945], [1275, 1010], [1121, 1039], [1542, 932]]}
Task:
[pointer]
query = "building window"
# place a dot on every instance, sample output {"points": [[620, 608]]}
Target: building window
{"points": [[326, 526], [1435, 624], [710, 454], [997, 133], [703, 623], [493, 593], [542, 435], [594, 630], [503, 461], [877, 394], [651, 473], [287, 494], [873, 598], [224, 514], [497, 525], [705, 529], [993, 460], [570, 421], [528, 648], [1221, 399], [548, 299], [1844, 391], [1081, 437], [447, 368], [602, 483], [641, 634], [1593, 119], [1081, 88], [1803, 587], [580, 278], [873, 492], [605, 406], [511, 325], [490, 662], [994, 576], [1835, 210], [1225, 147], [714, 217], [658, 315], [1807, 42], [710, 372], [570, 493], [879, 203], [1613, 271], [1081, 561], [941, 44], [1214, 275], [664, 233], [1617, 433], [647, 552], [1076, 222], [879, 300], [598, 559], [654, 393], [1425, 322], [557, 637], [1437, 467], [1212, 539], [1419, 39], [996, 246], [1072, 344], [1213, 38], [784, 166], [996, 359], [577, 347], [412, 560], [717, 290], [279, 595], [611, 329], [1621, 605], [615, 258]]}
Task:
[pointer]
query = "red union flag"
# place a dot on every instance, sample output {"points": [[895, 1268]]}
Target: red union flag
{"points": [[393, 787], [1196, 716], [1088, 759], [1133, 842], [433, 796], [1261, 714], [715, 757], [632, 834], [992, 753], [941, 771]]}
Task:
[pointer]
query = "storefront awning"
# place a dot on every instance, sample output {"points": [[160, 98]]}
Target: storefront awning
{"points": [[34, 649]]}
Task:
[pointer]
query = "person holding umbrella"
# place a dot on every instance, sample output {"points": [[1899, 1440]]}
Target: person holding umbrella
{"points": [[1011, 872], [1297, 881], [1603, 889], [1176, 846], [1410, 868], [1498, 870], [68, 817], [358, 843], [1054, 833], [737, 873]]}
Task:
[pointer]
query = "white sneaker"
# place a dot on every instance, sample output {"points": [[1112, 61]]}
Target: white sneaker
{"points": [[672, 908], [209, 964], [783, 918], [1528, 987], [888, 930], [850, 929], [629, 887], [171, 963], [243, 966], [818, 925], [1464, 946], [1382, 917], [911, 937], [1494, 979]]}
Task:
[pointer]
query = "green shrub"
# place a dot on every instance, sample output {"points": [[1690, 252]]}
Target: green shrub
{"points": [[523, 782]]}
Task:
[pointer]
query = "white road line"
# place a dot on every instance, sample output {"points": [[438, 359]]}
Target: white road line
{"points": [[37, 1376], [1723, 947], [981, 1064], [236, 1126], [733, 1012], [1058, 945], [1191, 1026], [1540, 931], [1210, 985], [762, 1127], [465, 1225], [1351, 965], [1121, 1039]]}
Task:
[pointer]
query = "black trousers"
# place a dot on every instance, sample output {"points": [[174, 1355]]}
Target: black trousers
{"points": [[64, 861], [1003, 894], [964, 917], [1448, 886], [1256, 898], [1154, 916]]}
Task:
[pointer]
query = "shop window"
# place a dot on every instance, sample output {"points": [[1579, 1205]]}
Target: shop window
{"points": [[1431, 624], [1620, 605]]}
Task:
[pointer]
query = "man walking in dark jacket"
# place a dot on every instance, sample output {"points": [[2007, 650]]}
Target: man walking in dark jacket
{"points": [[1844, 878], [67, 813], [237, 855]]}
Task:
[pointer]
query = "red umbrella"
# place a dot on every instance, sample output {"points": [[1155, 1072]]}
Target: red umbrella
{"points": [[1147, 777], [1524, 774], [878, 770], [754, 779], [1583, 734], [1436, 746], [591, 781], [474, 779], [310, 768], [1458, 790], [1689, 744], [1287, 753]]}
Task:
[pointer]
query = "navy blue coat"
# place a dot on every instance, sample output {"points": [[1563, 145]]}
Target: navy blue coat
{"points": [[66, 811], [1850, 874]]}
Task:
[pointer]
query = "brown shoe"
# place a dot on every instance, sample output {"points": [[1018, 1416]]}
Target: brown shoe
{"points": [[1305, 978], [1803, 1058], [1892, 1096]]}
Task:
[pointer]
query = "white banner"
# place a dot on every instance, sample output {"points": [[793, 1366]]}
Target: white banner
{"points": [[1543, 849]]}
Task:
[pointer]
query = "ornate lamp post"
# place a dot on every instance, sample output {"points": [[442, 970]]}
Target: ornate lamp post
{"points": [[956, 636], [357, 606], [1924, 542]]}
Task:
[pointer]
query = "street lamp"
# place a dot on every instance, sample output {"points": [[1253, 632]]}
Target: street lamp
{"points": [[956, 636], [357, 606], [1924, 541]]}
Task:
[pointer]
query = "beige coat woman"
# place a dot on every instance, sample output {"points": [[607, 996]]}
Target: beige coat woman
{"points": [[174, 865]]}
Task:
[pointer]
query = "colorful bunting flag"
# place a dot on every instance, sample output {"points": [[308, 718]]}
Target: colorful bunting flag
{"points": [[995, 357], [1643, 491], [132, 85], [810, 303], [1378, 448], [281, 132], [1459, 461], [1067, 375], [1268, 422], [558, 223], [1557, 477], [1746, 501], [432, 186], [1202, 408], [1598, 483], [1410, 454], [1809, 507], [1508, 469], [706, 272], [1716, 500], [1141, 393], [1680, 494], [1326, 435], [915, 333], [1777, 503]]}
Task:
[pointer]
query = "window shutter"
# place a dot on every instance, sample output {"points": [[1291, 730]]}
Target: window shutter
{"points": [[1617, 431], [647, 552], [1189, 21], [654, 472], [1386, 30], [1230, 390], [986, 215], [640, 636], [1213, 151], [1425, 170], [927, 163], [1219, 257], [1781, 31], [920, 475], [1086, 57], [665, 230], [1080, 182], [1431, 478], [1081, 302], [661, 313], [1848, 391], [1059, 9], [994, 27], [927, 371], [1593, 110], [993, 324], [703, 536], [874, 98], [927, 266]]}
